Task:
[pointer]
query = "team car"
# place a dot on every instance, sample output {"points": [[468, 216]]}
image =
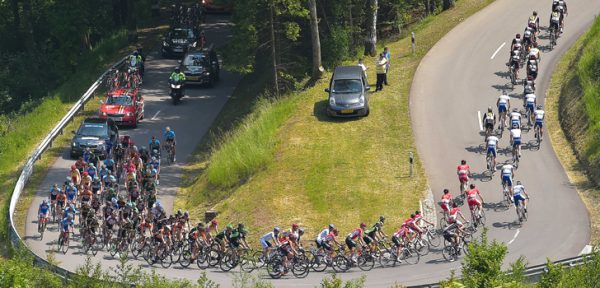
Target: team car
{"points": [[125, 107], [201, 66]]}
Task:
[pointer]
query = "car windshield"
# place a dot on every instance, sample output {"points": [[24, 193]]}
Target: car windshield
{"points": [[92, 130], [195, 60], [182, 34], [122, 100], [347, 86]]}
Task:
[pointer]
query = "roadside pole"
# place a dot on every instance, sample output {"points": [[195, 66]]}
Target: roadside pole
{"points": [[410, 162], [412, 42]]}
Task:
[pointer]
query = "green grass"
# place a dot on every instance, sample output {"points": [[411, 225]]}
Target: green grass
{"points": [[317, 170], [573, 119]]}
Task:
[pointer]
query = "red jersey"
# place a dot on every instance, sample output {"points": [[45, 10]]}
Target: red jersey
{"points": [[463, 169], [446, 198], [471, 194], [356, 233]]}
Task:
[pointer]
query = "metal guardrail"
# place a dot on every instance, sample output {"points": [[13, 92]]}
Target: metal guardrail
{"points": [[532, 273], [15, 238]]}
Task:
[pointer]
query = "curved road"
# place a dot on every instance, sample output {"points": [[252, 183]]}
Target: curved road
{"points": [[466, 81]]}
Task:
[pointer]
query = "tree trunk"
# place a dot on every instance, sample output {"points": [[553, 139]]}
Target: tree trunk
{"points": [[371, 39], [273, 50], [317, 70]]}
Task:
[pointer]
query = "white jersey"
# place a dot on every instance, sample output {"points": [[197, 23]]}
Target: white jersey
{"points": [[515, 116], [539, 115], [535, 52], [492, 141], [507, 169], [530, 98], [268, 237], [518, 189], [322, 235], [515, 133], [503, 99]]}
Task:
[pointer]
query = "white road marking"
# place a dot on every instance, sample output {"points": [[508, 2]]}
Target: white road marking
{"points": [[497, 50], [479, 120], [156, 114], [514, 237]]}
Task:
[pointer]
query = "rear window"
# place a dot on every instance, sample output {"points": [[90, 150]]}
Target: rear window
{"points": [[123, 100], [347, 86], [195, 60], [182, 34]]}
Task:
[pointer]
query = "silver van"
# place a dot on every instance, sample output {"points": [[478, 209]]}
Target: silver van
{"points": [[348, 93]]}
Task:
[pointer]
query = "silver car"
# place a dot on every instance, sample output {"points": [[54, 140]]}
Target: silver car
{"points": [[348, 93]]}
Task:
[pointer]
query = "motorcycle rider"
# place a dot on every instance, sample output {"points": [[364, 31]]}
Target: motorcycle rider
{"points": [[177, 77]]}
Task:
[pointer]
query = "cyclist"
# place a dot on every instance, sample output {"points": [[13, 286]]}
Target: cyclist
{"points": [[453, 232], [535, 20], [472, 198], [515, 119], [355, 236], [515, 61], [532, 67], [238, 236], [539, 119], [418, 219], [561, 7], [61, 198], [265, 241], [555, 20], [212, 227], [530, 103], [454, 214], [289, 247], [445, 203], [66, 226], [489, 120], [75, 175], [322, 235], [86, 196], [169, 136], [535, 51], [326, 241], [399, 238], [529, 85], [515, 139], [154, 144], [372, 235], [103, 171], [155, 165], [43, 212], [222, 238], [119, 152], [503, 104], [516, 45], [508, 174], [529, 35], [492, 147], [71, 192], [86, 180], [110, 164], [519, 191], [463, 171], [96, 186], [54, 191]]}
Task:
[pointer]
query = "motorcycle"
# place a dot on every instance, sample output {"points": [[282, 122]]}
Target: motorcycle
{"points": [[177, 91]]}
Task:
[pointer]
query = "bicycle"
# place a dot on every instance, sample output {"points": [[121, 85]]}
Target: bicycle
{"points": [[512, 72], [478, 216], [170, 153], [407, 255], [63, 242], [508, 199], [489, 160], [453, 251], [538, 135], [521, 212], [515, 156], [42, 226], [553, 36]]}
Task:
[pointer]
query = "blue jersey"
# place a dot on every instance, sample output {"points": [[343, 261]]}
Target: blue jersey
{"points": [[44, 208], [156, 143], [155, 164], [109, 162], [65, 223], [92, 171], [169, 135], [71, 192]]}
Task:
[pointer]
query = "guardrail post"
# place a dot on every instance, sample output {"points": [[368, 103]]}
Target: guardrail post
{"points": [[410, 162], [412, 42]]}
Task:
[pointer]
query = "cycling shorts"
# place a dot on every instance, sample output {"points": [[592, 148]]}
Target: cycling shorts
{"points": [[530, 106], [285, 249], [518, 198], [397, 241], [53, 197], [449, 236], [265, 244], [43, 214], [327, 246], [368, 240], [502, 108], [350, 243], [516, 141], [473, 201], [489, 125], [515, 123], [492, 150], [71, 197], [445, 206], [507, 179], [463, 178], [539, 123]]}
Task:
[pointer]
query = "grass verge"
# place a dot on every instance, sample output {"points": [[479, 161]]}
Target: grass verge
{"points": [[573, 119], [318, 170]]}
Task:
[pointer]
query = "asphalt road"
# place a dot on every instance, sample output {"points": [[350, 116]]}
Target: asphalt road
{"points": [[455, 80]]}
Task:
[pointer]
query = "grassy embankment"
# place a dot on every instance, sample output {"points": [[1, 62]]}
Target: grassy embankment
{"points": [[287, 161], [573, 108]]}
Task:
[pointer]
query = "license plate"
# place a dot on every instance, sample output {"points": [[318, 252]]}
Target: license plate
{"points": [[193, 78], [117, 119], [178, 50], [347, 111]]}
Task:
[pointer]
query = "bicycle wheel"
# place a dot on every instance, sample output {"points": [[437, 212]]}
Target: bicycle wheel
{"points": [[113, 247], [409, 256], [214, 257], [319, 262], [301, 266], [165, 259], [136, 248], [481, 220], [247, 262], [227, 262], [365, 262], [202, 260], [387, 258], [433, 238], [449, 253], [186, 258], [275, 268], [98, 243], [259, 259], [422, 247], [340, 264], [65, 246]]}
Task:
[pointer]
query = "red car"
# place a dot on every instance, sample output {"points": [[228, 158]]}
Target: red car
{"points": [[125, 107]]}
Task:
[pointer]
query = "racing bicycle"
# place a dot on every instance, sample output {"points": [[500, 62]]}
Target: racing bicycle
{"points": [[521, 212], [538, 135]]}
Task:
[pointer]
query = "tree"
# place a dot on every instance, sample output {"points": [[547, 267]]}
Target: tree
{"points": [[317, 70], [371, 39]]}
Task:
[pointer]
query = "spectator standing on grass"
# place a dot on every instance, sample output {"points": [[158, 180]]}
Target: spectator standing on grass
{"points": [[380, 69], [364, 68], [388, 57]]}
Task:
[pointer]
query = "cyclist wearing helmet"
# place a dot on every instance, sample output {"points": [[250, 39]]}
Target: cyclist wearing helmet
{"points": [[535, 20], [532, 67], [43, 212], [154, 144], [516, 45], [75, 175], [356, 236], [519, 195], [330, 237], [463, 171], [213, 227], [265, 241], [222, 238], [238, 237], [489, 120], [529, 103], [539, 119], [66, 225], [515, 119], [322, 235], [515, 139], [155, 165], [528, 85], [54, 191], [535, 51], [503, 104], [169, 136]]}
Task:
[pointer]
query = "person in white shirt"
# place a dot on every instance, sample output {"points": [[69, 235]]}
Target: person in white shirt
{"points": [[503, 104], [515, 139], [530, 101], [539, 119], [508, 174], [515, 119], [492, 147], [266, 239]]}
